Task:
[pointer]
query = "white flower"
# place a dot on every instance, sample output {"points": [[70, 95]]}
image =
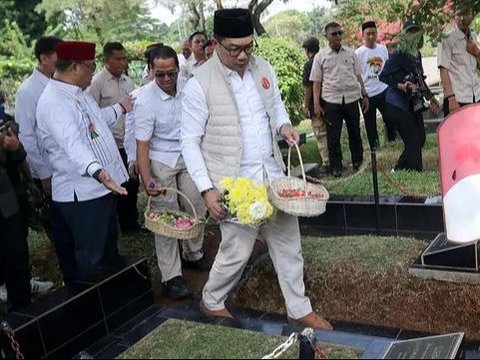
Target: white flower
{"points": [[258, 211]]}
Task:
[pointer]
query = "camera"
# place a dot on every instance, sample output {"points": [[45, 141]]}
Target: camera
{"points": [[420, 94]]}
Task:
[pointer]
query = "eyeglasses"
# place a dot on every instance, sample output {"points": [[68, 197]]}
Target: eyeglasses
{"points": [[337, 33], [92, 66], [161, 75], [237, 50]]}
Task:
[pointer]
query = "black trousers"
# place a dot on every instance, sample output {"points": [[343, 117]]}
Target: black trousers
{"points": [[378, 102], [47, 220], [411, 128], [127, 210], [85, 236], [335, 114], [14, 260]]}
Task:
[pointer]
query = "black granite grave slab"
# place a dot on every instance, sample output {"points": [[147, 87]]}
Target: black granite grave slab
{"points": [[399, 216], [63, 323]]}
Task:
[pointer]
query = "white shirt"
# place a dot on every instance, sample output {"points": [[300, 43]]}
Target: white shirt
{"points": [[130, 143], [26, 102], [190, 65], [257, 162], [372, 62], [157, 120], [78, 142]]}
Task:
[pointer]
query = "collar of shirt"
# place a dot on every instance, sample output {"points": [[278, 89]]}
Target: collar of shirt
{"points": [[342, 48], [164, 96], [69, 89], [230, 72], [112, 77], [460, 35], [37, 74]]}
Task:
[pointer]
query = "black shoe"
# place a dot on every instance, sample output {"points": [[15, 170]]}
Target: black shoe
{"points": [[356, 166], [203, 264], [336, 173], [176, 289]]}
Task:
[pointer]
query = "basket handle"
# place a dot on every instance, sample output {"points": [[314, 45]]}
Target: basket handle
{"points": [[181, 194], [301, 163]]}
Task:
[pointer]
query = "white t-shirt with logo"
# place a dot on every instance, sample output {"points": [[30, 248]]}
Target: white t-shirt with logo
{"points": [[372, 62]]}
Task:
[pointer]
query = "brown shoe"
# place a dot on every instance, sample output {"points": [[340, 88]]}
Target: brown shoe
{"points": [[224, 313], [312, 320]]}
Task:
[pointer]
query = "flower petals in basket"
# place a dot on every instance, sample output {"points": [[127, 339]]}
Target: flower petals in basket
{"points": [[296, 196], [175, 225]]}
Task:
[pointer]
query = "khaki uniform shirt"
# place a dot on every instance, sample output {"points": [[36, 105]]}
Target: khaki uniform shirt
{"points": [[108, 90], [337, 71], [461, 65]]}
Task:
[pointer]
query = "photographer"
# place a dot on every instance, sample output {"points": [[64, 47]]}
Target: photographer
{"points": [[14, 258], [403, 72]]}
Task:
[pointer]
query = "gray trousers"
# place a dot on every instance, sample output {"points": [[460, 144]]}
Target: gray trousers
{"points": [[168, 254], [282, 236]]}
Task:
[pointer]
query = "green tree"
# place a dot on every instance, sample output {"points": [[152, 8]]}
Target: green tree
{"points": [[290, 24], [287, 59], [103, 20], [22, 12], [16, 58]]}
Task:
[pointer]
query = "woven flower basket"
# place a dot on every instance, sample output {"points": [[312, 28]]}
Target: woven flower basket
{"points": [[306, 206], [160, 227]]}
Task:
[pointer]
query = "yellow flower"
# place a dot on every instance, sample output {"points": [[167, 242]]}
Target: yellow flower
{"points": [[247, 201]]}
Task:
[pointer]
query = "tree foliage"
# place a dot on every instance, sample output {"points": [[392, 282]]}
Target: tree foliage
{"points": [[16, 58], [290, 24], [22, 12], [101, 21], [287, 59]]}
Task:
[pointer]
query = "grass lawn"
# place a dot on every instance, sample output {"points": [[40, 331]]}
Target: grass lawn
{"points": [[426, 183], [178, 339], [365, 279]]}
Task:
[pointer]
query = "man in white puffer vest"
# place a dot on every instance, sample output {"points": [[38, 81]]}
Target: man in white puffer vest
{"points": [[232, 115]]}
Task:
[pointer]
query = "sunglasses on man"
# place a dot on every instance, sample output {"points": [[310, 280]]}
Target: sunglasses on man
{"points": [[337, 33], [162, 75]]}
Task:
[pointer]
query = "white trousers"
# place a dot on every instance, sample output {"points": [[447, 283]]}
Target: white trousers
{"points": [[168, 254], [282, 236]]}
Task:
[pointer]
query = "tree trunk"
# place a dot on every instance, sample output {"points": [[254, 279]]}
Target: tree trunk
{"points": [[257, 8], [219, 4], [198, 15]]}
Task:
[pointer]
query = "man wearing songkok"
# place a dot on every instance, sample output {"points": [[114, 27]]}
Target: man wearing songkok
{"points": [[232, 115], [86, 164], [372, 57], [157, 130]]}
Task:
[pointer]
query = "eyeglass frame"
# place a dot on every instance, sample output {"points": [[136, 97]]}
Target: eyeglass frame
{"points": [[253, 45], [169, 74]]}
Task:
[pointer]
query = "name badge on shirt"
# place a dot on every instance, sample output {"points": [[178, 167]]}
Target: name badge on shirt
{"points": [[265, 83], [91, 130]]}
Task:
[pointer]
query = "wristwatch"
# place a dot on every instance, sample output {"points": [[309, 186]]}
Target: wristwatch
{"points": [[96, 175], [204, 192]]}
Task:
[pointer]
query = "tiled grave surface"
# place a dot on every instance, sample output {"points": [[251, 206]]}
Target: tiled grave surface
{"points": [[61, 324], [399, 216]]}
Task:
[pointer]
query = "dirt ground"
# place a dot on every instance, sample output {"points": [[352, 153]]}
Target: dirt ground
{"points": [[350, 290]]}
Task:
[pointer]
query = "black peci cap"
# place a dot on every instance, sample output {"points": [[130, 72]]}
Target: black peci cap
{"points": [[233, 23]]}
